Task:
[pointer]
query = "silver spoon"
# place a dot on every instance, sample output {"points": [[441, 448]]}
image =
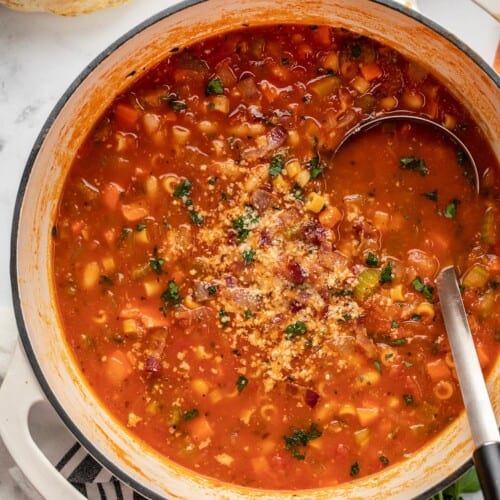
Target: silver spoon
{"points": [[482, 422], [373, 122]]}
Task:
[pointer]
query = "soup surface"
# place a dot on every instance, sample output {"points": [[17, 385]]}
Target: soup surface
{"points": [[251, 307]]}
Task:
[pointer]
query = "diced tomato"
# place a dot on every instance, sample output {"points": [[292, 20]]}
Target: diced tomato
{"points": [[126, 116], [111, 195]]}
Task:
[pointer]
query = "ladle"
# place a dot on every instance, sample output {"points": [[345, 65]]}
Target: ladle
{"points": [[482, 422], [480, 414], [373, 122]]}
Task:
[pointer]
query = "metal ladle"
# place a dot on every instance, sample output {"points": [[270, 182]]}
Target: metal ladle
{"points": [[481, 417], [374, 122]]}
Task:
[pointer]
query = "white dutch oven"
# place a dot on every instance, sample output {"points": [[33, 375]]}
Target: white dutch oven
{"points": [[49, 357]]}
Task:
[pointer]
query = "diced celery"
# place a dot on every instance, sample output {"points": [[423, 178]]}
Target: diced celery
{"points": [[489, 228], [368, 279], [476, 277]]}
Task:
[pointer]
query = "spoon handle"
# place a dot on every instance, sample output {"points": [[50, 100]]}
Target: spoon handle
{"points": [[487, 461], [480, 413], [475, 395]]}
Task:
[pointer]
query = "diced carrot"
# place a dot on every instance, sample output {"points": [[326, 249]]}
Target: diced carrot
{"points": [[367, 416], [322, 35], [371, 71], [111, 195], [200, 429], [134, 212], [330, 217], [438, 370], [126, 116], [117, 367]]}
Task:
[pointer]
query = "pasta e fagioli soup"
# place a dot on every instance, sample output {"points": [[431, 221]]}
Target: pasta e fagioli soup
{"points": [[251, 307]]}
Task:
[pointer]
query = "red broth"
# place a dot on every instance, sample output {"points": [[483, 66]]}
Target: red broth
{"points": [[249, 306]]}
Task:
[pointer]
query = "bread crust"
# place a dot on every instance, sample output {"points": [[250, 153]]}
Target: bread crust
{"points": [[62, 7]]}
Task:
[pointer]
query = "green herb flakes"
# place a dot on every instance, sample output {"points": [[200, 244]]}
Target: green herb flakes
{"points": [[386, 275], [371, 260], [408, 399], [171, 295], [241, 383], [296, 329], [426, 290], [248, 256], [299, 438], [451, 209], [214, 87], [190, 414], [414, 164], [354, 469], [183, 189], [276, 165]]}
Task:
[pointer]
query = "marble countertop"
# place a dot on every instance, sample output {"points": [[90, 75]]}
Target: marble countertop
{"points": [[41, 54]]}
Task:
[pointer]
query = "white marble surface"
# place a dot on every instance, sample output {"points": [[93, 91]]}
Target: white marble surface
{"points": [[41, 54]]}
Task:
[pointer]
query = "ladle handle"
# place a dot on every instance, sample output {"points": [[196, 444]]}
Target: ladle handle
{"points": [[487, 462]]}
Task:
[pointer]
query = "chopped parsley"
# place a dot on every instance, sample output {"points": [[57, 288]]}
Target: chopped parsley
{"points": [[431, 195], [171, 295], [276, 165], [400, 342], [212, 290], [414, 164], [377, 366], [297, 192], [296, 329], [243, 223], [248, 256], [241, 383], [140, 227], [174, 102], [155, 263], [408, 364], [214, 87], [386, 275], [426, 290], [196, 217], [248, 314], [356, 51], [408, 399], [394, 324], [384, 459], [224, 317], [451, 209], [354, 469], [105, 280], [183, 189], [371, 260], [415, 317], [190, 414], [212, 180], [300, 438], [315, 166]]}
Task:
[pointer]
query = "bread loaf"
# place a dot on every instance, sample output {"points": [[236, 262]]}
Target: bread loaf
{"points": [[62, 7]]}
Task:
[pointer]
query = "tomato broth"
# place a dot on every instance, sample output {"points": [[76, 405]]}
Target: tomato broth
{"points": [[252, 307]]}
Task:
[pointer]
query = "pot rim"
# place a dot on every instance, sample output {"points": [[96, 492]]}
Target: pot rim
{"points": [[23, 333]]}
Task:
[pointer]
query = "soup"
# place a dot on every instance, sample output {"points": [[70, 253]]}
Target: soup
{"points": [[252, 307]]}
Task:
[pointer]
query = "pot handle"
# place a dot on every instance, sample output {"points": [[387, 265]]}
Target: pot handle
{"points": [[18, 393]]}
